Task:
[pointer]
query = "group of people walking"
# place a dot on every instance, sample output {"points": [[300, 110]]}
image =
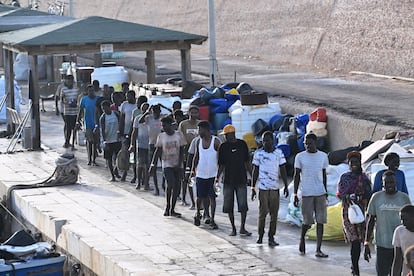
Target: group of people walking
{"points": [[386, 204], [191, 155]]}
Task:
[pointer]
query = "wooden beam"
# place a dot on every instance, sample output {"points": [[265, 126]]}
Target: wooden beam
{"points": [[1, 55], [35, 122], [185, 64], [93, 48], [9, 87], [150, 63]]}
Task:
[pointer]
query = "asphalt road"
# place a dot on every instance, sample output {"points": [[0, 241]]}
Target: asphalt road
{"points": [[386, 101]]}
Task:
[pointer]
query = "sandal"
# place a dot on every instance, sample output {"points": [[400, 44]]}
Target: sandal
{"points": [[245, 233], [213, 226], [321, 255]]}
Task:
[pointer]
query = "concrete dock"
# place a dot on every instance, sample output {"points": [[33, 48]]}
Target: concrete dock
{"points": [[114, 229]]}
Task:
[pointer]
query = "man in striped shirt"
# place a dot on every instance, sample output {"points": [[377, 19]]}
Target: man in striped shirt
{"points": [[69, 98]]}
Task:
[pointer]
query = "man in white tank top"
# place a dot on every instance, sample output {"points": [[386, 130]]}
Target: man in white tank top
{"points": [[206, 166]]}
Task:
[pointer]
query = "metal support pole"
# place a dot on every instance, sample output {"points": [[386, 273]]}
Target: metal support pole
{"points": [[35, 97], [212, 44]]}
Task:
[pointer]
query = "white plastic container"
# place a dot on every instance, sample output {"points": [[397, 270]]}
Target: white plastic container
{"points": [[245, 116], [112, 76], [319, 128]]}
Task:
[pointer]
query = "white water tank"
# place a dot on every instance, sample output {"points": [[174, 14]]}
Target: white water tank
{"points": [[112, 76], [243, 117]]}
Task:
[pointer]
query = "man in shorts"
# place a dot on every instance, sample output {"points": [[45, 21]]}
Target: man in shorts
{"points": [[205, 166], [310, 173], [139, 145], [152, 119], [87, 110], [170, 146], [111, 136], [234, 160], [189, 128]]}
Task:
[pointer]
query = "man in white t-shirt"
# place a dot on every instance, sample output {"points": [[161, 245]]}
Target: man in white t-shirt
{"points": [[170, 146], [267, 163], [310, 173], [402, 239], [125, 122], [409, 260]]}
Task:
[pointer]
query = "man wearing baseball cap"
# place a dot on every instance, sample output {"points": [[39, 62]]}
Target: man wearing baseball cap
{"points": [[234, 161]]}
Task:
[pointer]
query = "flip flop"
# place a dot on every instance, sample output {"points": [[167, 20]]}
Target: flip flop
{"points": [[245, 234], [321, 255]]}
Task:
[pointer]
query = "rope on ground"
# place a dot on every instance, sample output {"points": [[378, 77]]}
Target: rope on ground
{"points": [[65, 173]]}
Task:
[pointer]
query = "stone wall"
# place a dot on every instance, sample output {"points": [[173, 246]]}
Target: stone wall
{"points": [[345, 35]]}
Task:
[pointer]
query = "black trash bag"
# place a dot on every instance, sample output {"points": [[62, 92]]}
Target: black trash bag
{"points": [[205, 95], [282, 124], [189, 87], [244, 88], [218, 92], [259, 127], [292, 141], [196, 101], [286, 123], [337, 157]]}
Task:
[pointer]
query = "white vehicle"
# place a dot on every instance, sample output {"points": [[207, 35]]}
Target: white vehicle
{"points": [[112, 76]]}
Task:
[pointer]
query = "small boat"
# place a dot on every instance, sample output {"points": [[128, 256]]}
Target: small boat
{"points": [[22, 255]]}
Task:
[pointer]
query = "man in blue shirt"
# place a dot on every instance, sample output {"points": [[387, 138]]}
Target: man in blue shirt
{"points": [[87, 110], [392, 161]]}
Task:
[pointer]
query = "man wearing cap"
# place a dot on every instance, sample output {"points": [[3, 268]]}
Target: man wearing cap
{"points": [[234, 160]]}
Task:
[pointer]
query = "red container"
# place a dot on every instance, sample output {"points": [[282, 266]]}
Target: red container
{"points": [[318, 115], [204, 112]]}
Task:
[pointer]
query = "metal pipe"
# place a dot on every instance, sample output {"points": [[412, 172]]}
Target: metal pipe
{"points": [[212, 44]]}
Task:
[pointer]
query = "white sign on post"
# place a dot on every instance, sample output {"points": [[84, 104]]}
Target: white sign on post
{"points": [[107, 48]]}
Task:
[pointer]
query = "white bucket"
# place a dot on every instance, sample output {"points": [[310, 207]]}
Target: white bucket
{"points": [[81, 137]]}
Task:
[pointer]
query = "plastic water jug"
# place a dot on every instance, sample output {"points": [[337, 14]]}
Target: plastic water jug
{"points": [[245, 116]]}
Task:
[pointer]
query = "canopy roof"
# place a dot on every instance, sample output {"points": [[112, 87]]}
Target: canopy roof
{"points": [[12, 11], [4, 8], [87, 35], [12, 23]]}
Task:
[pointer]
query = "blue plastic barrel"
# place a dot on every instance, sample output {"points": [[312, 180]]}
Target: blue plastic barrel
{"points": [[218, 105]]}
